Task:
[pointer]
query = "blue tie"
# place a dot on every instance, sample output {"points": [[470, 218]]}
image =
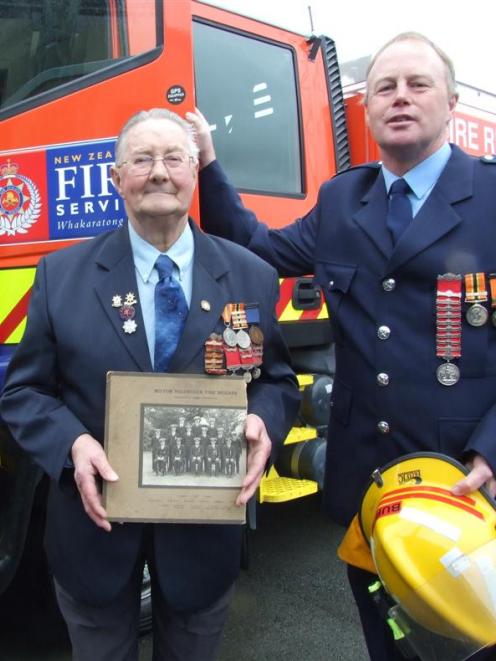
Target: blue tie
{"points": [[400, 209], [171, 311]]}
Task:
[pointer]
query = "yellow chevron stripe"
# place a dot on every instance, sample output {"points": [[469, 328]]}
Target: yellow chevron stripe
{"points": [[14, 283], [323, 314], [289, 313]]}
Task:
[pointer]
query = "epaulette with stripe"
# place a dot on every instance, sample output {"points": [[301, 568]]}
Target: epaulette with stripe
{"points": [[373, 165]]}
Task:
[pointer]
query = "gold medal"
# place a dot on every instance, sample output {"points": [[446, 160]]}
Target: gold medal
{"points": [[256, 334]]}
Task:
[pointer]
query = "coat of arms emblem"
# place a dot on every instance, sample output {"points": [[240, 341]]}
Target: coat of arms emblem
{"points": [[20, 201]]}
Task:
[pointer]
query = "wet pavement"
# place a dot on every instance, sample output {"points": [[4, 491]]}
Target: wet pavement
{"points": [[291, 604]]}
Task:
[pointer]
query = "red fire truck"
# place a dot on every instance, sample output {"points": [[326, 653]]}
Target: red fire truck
{"points": [[71, 73]]}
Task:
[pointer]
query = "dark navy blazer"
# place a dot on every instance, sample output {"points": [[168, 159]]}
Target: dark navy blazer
{"points": [[345, 243], [55, 391]]}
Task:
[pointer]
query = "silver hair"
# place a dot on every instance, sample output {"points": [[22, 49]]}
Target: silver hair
{"points": [[155, 113], [417, 36]]}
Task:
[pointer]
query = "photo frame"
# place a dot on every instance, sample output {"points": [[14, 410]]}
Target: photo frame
{"points": [[177, 443]]}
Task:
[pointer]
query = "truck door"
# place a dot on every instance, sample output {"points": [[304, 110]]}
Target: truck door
{"points": [[267, 96], [71, 73]]}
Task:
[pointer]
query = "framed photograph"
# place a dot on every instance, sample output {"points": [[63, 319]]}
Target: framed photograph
{"points": [[177, 443]]}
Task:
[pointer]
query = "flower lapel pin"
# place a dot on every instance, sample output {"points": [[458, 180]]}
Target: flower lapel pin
{"points": [[127, 311]]}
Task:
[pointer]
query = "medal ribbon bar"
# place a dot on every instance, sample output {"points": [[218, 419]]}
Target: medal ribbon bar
{"points": [[475, 288], [476, 295], [448, 316], [448, 327], [492, 288]]}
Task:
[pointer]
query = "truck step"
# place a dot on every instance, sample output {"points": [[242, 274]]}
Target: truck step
{"points": [[282, 489]]}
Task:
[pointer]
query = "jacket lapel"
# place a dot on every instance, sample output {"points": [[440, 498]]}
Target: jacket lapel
{"points": [[435, 219], [371, 218], [207, 301], [117, 277]]}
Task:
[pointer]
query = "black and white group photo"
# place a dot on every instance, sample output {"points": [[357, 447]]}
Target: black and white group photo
{"points": [[192, 446]]}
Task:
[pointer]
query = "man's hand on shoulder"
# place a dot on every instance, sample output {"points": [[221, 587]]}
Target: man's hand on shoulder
{"points": [[259, 447], [90, 463], [480, 475], [203, 137]]}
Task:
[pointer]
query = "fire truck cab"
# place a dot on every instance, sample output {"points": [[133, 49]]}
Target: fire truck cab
{"points": [[71, 73]]}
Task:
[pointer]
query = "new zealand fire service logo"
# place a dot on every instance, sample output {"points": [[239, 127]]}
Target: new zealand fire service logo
{"points": [[20, 202]]}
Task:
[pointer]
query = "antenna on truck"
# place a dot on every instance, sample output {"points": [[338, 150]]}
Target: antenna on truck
{"points": [[311, 18]]}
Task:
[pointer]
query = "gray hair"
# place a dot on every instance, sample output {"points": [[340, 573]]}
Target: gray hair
{"points": [[155, 113], [417, 36]]}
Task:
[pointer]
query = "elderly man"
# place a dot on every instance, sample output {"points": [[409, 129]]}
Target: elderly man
{"points": [[54, 398], [386, 241]]}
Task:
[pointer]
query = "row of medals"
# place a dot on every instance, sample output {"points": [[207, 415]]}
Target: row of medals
{"points": [[449, 316], [235, 351]]}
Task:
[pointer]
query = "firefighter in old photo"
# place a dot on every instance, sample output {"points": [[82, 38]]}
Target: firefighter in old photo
{"points": [[177, 455], [162, 454], [229, 458], [213, 459], [197, 458]]}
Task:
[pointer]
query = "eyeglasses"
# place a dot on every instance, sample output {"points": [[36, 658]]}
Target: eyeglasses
{"points": [[142, 165]]}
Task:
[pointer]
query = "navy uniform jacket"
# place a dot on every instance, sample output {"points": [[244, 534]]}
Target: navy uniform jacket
{"points": [[55, 391], [367, 284]]}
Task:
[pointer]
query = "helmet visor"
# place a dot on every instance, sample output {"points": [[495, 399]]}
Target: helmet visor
{"points": [[452, 615]]}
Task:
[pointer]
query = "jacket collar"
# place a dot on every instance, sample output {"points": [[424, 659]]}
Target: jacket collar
{"points": [[436, 218], [117, 276]]}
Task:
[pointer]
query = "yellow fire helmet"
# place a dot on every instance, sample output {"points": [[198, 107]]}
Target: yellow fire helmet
{"points": [[435, 554]]}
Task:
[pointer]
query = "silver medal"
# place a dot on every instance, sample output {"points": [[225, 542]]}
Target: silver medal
{"points": [[448, 374], [247, 377], [243, 339], [229, 337], [477, 315]]}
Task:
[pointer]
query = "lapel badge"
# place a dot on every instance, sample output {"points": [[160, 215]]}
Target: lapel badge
{"points": [[130, 299], [129, 326], [127, 311], [205, 305]]}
